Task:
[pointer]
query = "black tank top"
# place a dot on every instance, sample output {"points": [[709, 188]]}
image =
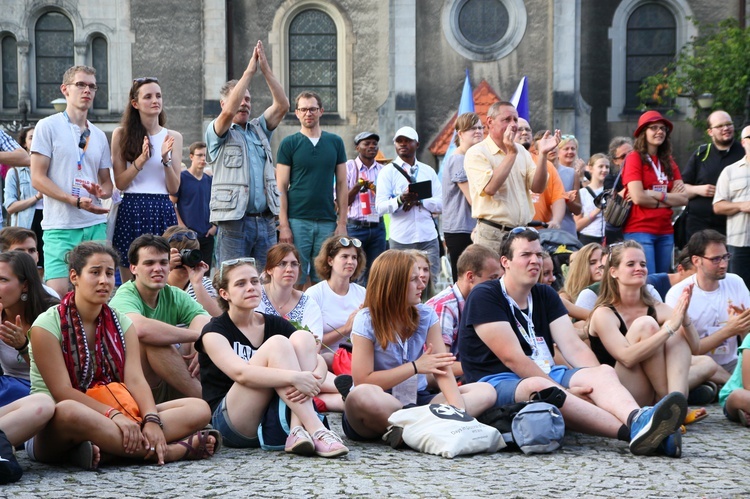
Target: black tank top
{"points": [[602, 355]]}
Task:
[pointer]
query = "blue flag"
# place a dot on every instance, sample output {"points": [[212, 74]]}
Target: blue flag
{"points": [[520, 99], [465, 106]]}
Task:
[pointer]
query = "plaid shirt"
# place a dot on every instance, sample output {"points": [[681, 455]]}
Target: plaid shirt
{"points": [[448, 305], [7, 143]]}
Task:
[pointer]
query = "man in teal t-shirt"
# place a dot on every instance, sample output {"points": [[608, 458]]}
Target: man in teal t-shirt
{"points": [[307, 163], [168, 321]]}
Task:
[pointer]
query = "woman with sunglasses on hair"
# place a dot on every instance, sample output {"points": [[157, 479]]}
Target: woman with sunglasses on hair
{"points": [[649, 344], [397, 341], [86, 356], [190, 278], [654, 184], [340, 262], [249, 360], [146, 159]]}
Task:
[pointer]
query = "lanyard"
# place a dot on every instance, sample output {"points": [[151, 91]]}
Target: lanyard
{"points": [[76, 139], [660, 176], [529, 336]]}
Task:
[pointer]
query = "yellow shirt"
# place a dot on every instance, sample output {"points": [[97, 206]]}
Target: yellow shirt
{"points": [[511, 205]]}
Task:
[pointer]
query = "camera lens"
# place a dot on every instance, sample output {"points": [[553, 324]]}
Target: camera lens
{"points": [[190, 257]]}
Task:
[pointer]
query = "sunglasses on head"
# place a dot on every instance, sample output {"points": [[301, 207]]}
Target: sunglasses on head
{"points": [[346, 241], [181, 236], [518, 230], [145, 79], [234, 262]]}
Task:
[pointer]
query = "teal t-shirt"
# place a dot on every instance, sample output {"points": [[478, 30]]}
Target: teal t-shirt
{"points": [[175, 307], [50, 321], [735, 381], [313, 169]]}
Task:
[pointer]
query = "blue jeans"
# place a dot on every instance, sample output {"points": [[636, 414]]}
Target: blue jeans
{"points": [[740, 262], [373, 244], [432, 248], [658, 250], [308, 238], [247, 237]]}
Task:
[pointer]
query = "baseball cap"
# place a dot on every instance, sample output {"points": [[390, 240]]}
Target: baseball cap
{"points": [[408, 132], [366, 135]]}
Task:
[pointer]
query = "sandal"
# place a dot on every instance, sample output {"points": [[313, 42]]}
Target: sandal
{"points": [[82, 455], [695, 415], [200, 452]]}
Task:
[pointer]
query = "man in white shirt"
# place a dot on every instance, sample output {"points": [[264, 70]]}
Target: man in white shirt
{"points": [[719, 307], [412, 225]]}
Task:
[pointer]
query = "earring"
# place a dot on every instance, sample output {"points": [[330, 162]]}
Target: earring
{"points": [[24, 296]]}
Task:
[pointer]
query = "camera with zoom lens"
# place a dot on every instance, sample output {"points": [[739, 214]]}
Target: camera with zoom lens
{"points": [[190, 257]]}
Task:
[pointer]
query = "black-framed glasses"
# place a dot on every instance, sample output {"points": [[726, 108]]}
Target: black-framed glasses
{"points": [[353, 241], [305, 110], [181, 236], [233, 263], [621, 156], [658, 128], [82, 85], [145, 79], [84, 138], [716, 260]]}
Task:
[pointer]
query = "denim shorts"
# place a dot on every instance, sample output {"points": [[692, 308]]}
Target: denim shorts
{"points": [[506, 383], [230, 435]]}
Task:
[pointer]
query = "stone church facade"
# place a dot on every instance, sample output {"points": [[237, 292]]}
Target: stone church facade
{"points": [[379, 64]]}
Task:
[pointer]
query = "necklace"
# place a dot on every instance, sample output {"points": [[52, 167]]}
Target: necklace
{"points": [[282, 307]]}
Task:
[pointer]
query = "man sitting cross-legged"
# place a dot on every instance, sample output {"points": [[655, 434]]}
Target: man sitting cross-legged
{"points": [[509, 330], [157, 309]]}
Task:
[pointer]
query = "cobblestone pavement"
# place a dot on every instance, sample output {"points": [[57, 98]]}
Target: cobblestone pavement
{"points": [[715, 463]]}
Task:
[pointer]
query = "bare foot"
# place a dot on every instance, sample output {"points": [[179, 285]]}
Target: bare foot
{"points": [[97, 456]]}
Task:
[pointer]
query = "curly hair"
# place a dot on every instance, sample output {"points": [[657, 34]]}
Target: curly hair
{"points": [[329, 249]]}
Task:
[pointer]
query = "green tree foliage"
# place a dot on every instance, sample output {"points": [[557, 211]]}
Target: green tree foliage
{"points": [[717, 62]]}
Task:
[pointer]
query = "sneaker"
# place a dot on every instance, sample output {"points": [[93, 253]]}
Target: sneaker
{"points": [[299, 442], [651, 425], [343, 384], [672, 445], [328, 444], [10, 470]]}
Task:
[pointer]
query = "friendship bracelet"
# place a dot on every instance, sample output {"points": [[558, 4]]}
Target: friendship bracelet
{"points": [[669, 329], [416, 371], [109, 411], [78, 203], [663, 197], [152, 418]]}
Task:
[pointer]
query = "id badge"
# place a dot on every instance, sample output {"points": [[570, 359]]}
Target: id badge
{"points": [[660, 188], [542, 356], [406, 391], [78, 187]]}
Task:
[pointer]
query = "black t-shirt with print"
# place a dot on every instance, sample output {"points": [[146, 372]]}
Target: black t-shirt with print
{"points": [[215, 383]]}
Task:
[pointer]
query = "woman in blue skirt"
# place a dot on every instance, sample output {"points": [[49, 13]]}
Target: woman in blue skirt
{"points": [[146, 159]]}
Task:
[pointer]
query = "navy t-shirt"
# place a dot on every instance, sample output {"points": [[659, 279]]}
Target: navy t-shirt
{"points": [[485, 304], [215, 383]]}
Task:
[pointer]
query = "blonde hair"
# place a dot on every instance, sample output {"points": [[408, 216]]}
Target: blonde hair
{"points": [[579, 274], [609, 292], [464, 123]]}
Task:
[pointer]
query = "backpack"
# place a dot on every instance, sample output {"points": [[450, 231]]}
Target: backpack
{"points": [[274, 426], [533, 427]]}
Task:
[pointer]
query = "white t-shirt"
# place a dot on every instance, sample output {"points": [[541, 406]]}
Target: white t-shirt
{"points": [[587, 298], [596, 227], [709, 311], [335, 308], [56, 138]]}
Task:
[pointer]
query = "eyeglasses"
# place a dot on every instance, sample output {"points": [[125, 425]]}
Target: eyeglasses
{"points": [[181, 236], [723, 125], [621, 156], [305, 110], [477, 128], [657, 128], [83, 140], [346, 241], [82, 85], [232, 263], [524, 129], [716, 260], [145, 79], [283, 265]]}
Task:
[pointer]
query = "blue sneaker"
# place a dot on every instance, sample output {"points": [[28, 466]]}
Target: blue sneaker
{"points": [[672, 445], [653, 424]]}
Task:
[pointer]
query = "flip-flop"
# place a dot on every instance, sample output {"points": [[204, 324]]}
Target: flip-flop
{"points": [[82, 455], [695, 415], [200, 452]]}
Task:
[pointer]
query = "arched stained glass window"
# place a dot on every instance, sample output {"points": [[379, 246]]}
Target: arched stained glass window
{"points": [[53, 43], [312, 56]]}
